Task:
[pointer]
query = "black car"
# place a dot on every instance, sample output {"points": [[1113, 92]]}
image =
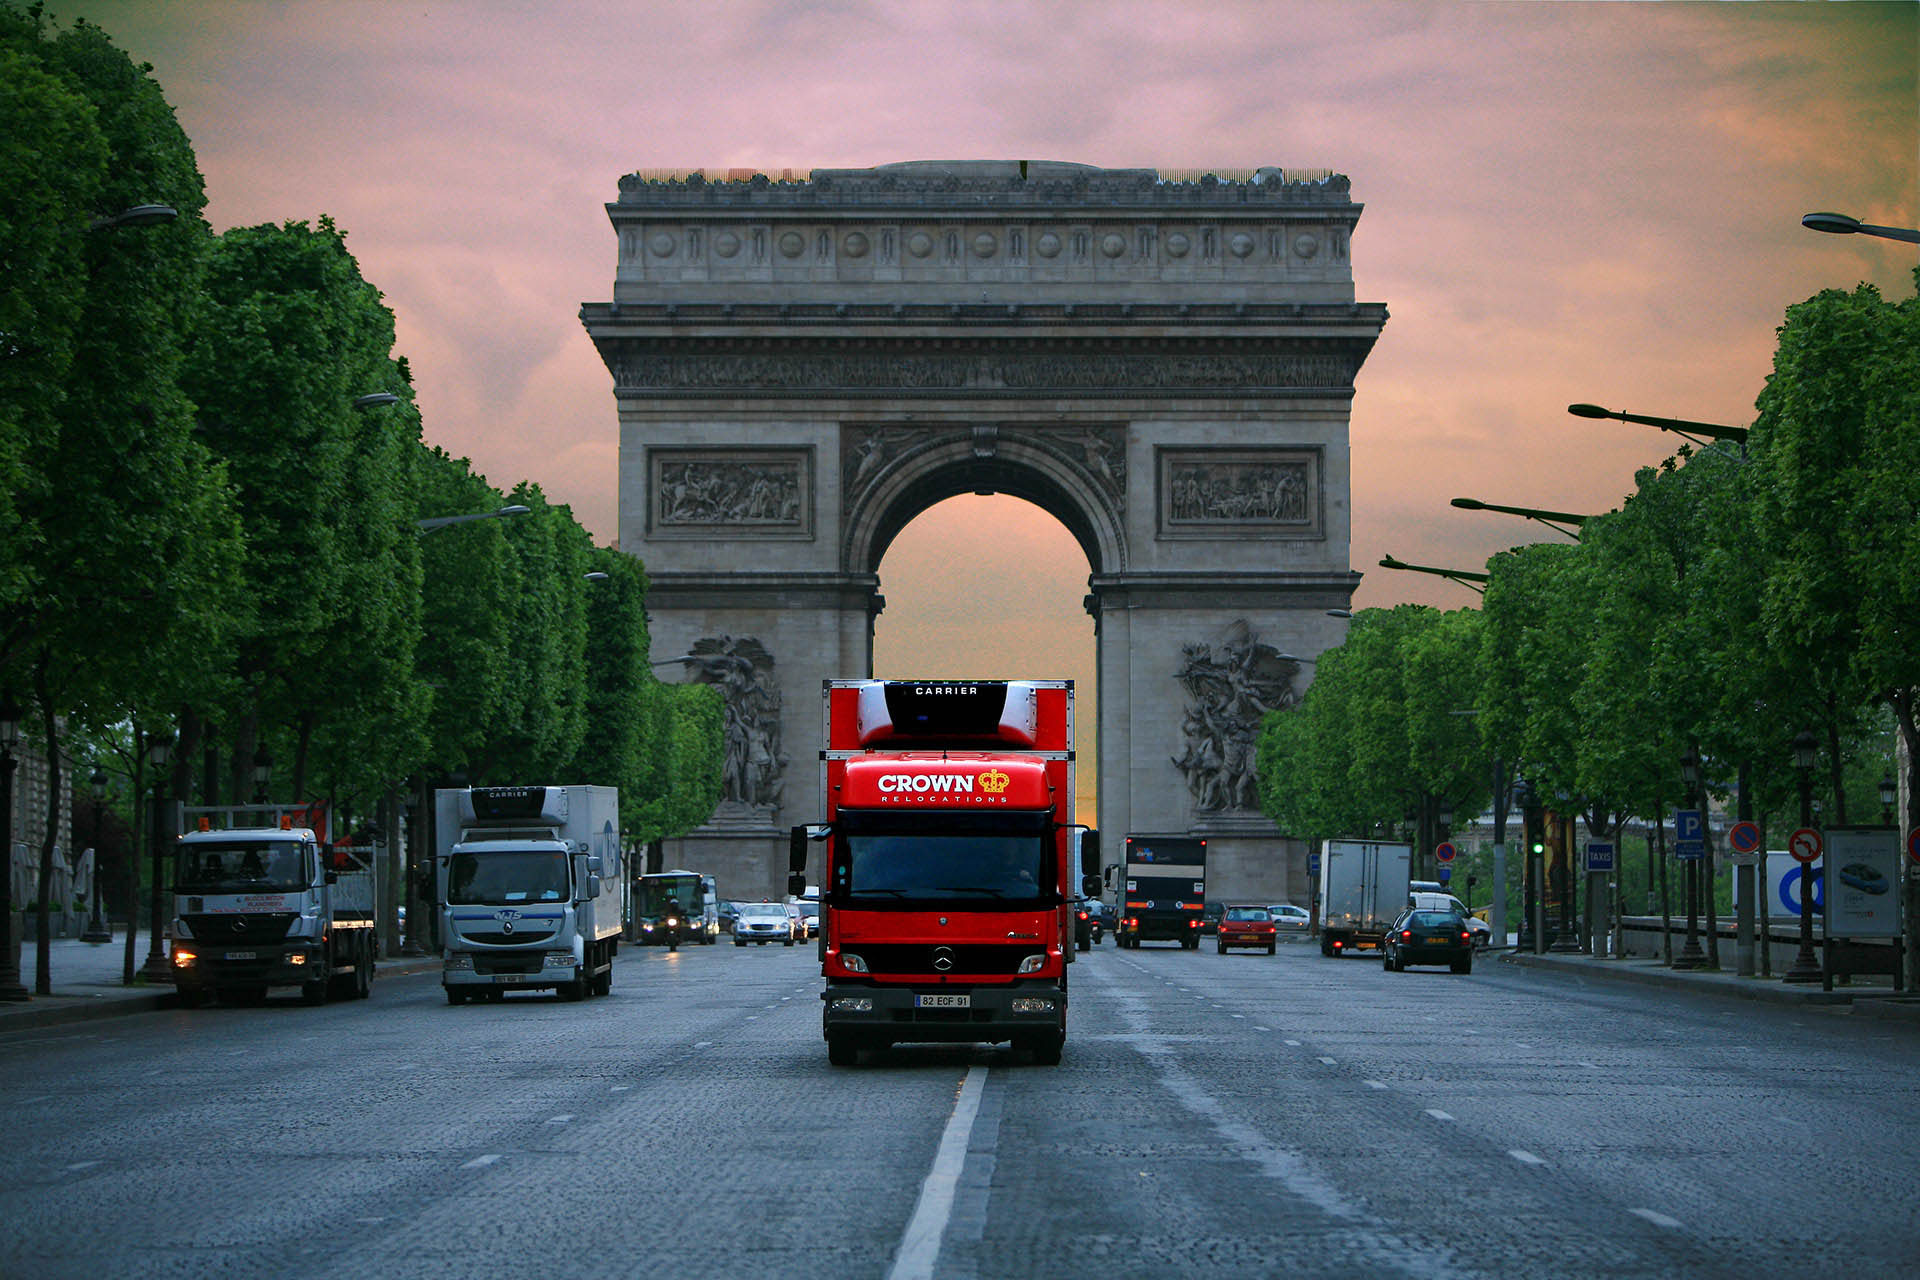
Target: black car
{"points": [[1210, 917], [1428, 937]]}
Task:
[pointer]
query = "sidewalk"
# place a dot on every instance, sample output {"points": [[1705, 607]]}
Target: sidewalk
{"points": [[1873, 998], [86, 982]]}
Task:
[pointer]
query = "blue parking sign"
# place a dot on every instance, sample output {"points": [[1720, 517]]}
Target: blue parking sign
{"points": [[1689, 835]]}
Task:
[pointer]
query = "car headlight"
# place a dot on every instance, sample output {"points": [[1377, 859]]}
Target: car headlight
{"points": [[853, 962]]}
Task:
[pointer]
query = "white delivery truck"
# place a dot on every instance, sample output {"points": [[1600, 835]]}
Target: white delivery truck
{"points": [[528, 883], [257, 907], [1363, 888]]}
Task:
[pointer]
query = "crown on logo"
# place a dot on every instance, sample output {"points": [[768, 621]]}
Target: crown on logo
{"points": [[993, 782]]}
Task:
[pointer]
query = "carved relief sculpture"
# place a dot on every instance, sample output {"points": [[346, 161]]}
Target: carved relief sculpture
{"points": [[743, 670], [1233, 683], [1240, 491], [706, 489]]}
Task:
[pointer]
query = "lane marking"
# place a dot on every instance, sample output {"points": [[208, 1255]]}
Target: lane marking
{"points": [[1373, 1084], [83, 1164], [560, 1120], [480, 1162], [1241, 1016], [920, 1243], [621, 1088], [1260, 1028], [1294, 1043], [703, 1044], [1657, 1219], [1328, 1061], [1439, 1115], [1526, 1157]]}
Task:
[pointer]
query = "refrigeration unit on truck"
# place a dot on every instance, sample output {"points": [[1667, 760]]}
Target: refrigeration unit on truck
{"points": [[528, 885], [1363, 888], [257, 907], [1162, 893], [946, 902]]}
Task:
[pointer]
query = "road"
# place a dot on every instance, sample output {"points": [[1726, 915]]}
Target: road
{"points": [[1238, 1115]]}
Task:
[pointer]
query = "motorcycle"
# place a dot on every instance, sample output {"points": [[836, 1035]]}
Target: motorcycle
{"points": [[671, 927]]}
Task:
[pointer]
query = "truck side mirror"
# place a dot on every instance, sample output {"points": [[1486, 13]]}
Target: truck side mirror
{"points": [[797, 856], [797, 885], [333, 877], [1091, 886], [593, 885]]}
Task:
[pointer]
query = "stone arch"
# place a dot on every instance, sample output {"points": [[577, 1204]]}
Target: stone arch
{"points": [[946, 464]]}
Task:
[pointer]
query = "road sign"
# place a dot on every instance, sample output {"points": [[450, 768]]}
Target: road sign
{"points": [[1689, 835], [1913, 844], [1600, 856], [1790, 890], [1805, 845], [1444, 851], [1445, 873], [1744, 837]]}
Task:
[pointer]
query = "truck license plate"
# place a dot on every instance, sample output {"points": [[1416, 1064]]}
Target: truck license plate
{"points": [[241, 955], [507, 977], [943, 1002]]}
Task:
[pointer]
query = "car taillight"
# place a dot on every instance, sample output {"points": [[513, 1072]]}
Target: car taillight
{"points": [[1406, 933], [1465, 936], [1193, 924], [1083, 915]]}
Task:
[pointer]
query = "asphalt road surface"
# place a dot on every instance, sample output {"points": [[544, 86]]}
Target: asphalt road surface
{"points": [[1237, 1115]]}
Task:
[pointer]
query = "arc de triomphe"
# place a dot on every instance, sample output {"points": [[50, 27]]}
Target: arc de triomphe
{"points": [[1165, 365]]}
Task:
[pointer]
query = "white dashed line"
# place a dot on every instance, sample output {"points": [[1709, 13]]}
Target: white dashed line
{"points": [[1526, 1157], [561, 1120], [1260, 1028], [1328, 1061], [1591, 1066], [703, 1044], [1656, 1218], [84, 1164], [1373, 1084], [480, 1162], [920, 1243], [621, 1088], [1294, 1043], [1439, 1115], [1241, 1016]]}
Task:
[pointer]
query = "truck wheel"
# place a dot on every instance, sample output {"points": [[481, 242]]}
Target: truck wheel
{"points": [[1326, 948], [789, 942], [189, 997], [1082, 944], [314, 992], [575, 990], [842, 1051], [740, 942], [603, 983], [456, 995], [1044, 1047], [363, 978]]}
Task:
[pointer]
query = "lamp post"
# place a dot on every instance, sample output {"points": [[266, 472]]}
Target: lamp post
{"points": [[1679, 426], [1806, 967], [1465, 577], [140, 215], [98, 930], [440, 522], [262, 774], [1840, 224], [1887, 794], [10, 986], [1691, 957], [1533, 924], [159, 752], [1563, 522]]}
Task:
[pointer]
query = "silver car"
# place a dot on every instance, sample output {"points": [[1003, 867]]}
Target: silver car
{"points": [[1289, 918], [764, 922]]}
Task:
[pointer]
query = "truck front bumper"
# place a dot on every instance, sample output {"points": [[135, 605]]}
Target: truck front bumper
{"points": [[991, 1013], [508, 970], [200, 967]]}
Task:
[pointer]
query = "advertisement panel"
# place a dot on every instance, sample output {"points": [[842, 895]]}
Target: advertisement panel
{"points": [[1862, 894]]}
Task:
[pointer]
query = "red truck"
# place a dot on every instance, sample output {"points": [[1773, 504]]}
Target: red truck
{"points": [[947, 899]]}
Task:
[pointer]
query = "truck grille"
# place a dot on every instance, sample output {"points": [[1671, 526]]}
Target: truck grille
{"points": [[919, 958], [496, 939], [236, 930]]}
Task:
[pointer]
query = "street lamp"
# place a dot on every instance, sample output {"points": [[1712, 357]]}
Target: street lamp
{"points": [[375, 400], [98, 930], [1464, 577], [1679, 426], [597, 576], [1554, 520], [1840, 224], [159, 751], [1533, 924], [140, 215], [10, 987], [1690, 956], [440, 522], [1888, 792], [262, 774], [1806, 968]]}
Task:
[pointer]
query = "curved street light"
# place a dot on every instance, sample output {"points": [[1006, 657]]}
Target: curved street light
{"points": [[375, 400], [1839, 224], [140, 215], [440, 522], [1679, 426], [1464, 577], [1554, 520]]}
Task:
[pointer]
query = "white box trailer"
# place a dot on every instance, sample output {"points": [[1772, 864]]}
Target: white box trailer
{"points": [[529, 889], [1363, 888]]}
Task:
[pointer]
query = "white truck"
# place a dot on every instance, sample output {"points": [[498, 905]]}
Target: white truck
{"points": [[1363, 888], [269, 905], [529, 890]]}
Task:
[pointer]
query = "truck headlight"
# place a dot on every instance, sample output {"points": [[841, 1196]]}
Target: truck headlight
{"points": [[460, 960], [180, 929], [297, 957], [183, 956], [1033, 963], [853, 962], [559, 960], [853, 1004]]}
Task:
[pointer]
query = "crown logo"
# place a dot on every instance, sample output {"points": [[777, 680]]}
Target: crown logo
{"points": [[993, 782]]}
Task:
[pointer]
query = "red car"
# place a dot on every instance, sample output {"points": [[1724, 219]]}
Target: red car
{"points": [[1247, 927]]}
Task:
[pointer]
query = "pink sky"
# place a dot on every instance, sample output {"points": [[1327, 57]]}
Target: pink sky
{"points": [[1563, 202]]}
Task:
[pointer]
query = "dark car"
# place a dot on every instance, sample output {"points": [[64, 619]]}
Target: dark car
{"points": [[1210, 917], [1246, 927], [1088, 922], [1428, 937]]}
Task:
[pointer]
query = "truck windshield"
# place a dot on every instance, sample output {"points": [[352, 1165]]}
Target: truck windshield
{"points": [[263, 866], [933, 858], [509, 876]]}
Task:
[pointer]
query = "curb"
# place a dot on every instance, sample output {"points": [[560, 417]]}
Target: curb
{"points": [[1767, 990]]}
